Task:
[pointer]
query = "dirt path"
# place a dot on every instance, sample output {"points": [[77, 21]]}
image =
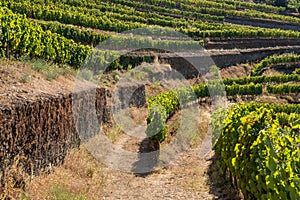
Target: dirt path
{"points": [[192, 176], [184, 179], [189, 177]]}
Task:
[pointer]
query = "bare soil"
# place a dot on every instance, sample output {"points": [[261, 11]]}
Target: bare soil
{"points": [[19, 82]]}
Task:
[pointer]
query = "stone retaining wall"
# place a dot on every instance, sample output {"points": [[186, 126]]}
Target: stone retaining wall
{"points": [[43, 131], [191, 66]]}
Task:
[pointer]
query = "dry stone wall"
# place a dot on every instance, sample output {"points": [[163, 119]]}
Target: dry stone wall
{"points": [[192, 66], [43, 131], [243, 43]]}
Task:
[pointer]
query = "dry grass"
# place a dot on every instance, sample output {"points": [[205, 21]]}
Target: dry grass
{"points": [[154, 89], [112, 132], [14, 180], [138, 115], [80, 177], [195, 136], [196, 180], [272, 72], [19, 81], [236, 71]]}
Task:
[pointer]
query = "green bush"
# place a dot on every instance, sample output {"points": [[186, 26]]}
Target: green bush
{"points": [[260, 149]]}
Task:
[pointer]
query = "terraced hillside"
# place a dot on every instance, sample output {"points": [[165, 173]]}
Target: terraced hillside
{"points": [[207, 99]]}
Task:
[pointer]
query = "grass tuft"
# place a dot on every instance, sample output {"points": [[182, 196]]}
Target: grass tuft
{"points": [[60, 192]]}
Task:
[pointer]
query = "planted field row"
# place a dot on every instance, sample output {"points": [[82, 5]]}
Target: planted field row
{"points": [[277, 108], [130, 18], [222, 4], [69, 16], [105, 20], [118, 22], [261, 79], [116, 42], [239, 32], [11, 43], [88, 37], [274, 60], [259, 146], [213, 10], [165, 104], [132, 7], [250, 5], [179, 4], [20, 37], [283, 89]]}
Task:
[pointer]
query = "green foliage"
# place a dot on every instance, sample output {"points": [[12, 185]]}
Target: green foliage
{"points": [[260, 148], [94, 38], [157, 129], [71, 32], [295, 4], [273, 60], [262, 79], [217, 119], [297, 71], [257, 6], [218, 8], [172, 100], [122, 16], [250, 89], [277, 108], [165, 104], [283, 89], [21, 37]]}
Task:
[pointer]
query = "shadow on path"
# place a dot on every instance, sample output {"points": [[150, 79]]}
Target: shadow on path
{"points": [[147, 159]]}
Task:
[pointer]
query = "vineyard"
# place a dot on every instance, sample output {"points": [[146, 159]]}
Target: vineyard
{"points": [[249, 111]]}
